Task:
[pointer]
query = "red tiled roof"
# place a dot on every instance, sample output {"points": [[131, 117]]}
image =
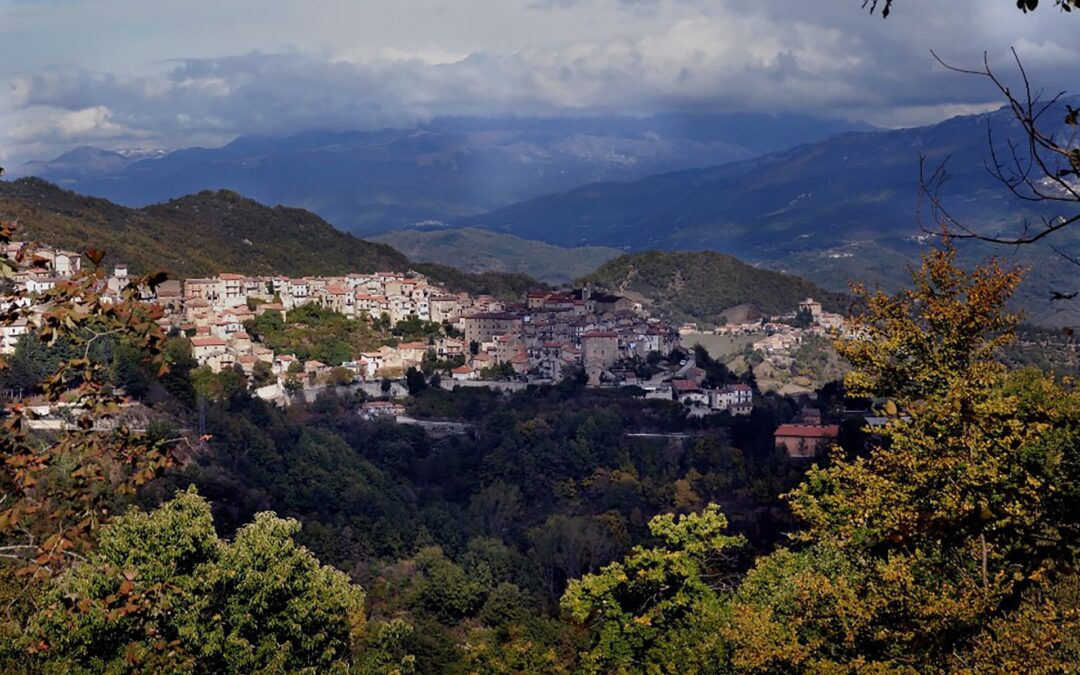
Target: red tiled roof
{"points": [[808, 430], [207, 342], [685, 385]]}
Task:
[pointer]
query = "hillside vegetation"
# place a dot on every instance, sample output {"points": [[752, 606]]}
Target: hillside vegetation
{"points": [[474, 250], [211, 232], [701, 285]]}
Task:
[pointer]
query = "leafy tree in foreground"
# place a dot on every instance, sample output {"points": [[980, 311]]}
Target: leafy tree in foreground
{"points": [[56, 492], [162, 593], [915, 557], [660, 609]]}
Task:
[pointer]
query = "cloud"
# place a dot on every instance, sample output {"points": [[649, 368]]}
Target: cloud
{"points": [[816, 58]]}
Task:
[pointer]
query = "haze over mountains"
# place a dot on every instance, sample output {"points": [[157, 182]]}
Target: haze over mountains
{"points": [[371, 181], [834, 211], [841, 206]]}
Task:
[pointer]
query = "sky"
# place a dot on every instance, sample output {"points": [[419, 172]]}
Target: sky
{"points": [[165, 74]]}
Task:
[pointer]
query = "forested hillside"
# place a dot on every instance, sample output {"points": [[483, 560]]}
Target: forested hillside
{"points": [[700, 285], [213, 232]]}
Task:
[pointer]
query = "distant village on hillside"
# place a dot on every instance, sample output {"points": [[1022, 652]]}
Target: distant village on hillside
{"points": [[482, 341]]}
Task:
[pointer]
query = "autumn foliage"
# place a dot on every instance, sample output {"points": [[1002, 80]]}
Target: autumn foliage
{"points": [[950, 545]]}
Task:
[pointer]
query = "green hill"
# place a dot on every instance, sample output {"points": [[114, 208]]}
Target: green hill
{"points": [[211, 232], [475, 250], [700, 285]]}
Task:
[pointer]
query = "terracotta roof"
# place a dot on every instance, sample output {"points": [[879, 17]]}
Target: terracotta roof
{"points": [[808, 430], [601, 334], [685, 385], [207, 342]]}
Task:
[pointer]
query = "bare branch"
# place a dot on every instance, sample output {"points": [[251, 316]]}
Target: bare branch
{"points": [[1040, 169]]}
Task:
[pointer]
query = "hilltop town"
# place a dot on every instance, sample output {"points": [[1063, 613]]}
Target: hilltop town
{"points": [[462, 340]]}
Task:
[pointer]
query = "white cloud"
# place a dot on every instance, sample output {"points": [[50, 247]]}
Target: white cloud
{"points": [[520, 57]]}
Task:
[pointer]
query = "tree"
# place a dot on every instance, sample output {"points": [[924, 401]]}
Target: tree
{"points": [[415, 381], [262, 373], [128, 371], [660, 609], [926, 341], [293, 378], [162, 593], [911, 553], [804, 318], [178, 358], [57, 492]]}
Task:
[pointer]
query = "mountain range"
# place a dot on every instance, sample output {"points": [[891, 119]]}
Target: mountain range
{"points": [[833, 211], [450, 168], [841, 207]]}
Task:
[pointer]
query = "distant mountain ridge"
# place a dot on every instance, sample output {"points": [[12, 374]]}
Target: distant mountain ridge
{"points": [[212, 232], [450, 168]]}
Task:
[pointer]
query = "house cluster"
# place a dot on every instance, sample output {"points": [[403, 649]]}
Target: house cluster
{"points": [[537, 338], [399, 296], [782, 335], [36, 269], [540, 338], [213, 312], [556, 330], [690, 389]]}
